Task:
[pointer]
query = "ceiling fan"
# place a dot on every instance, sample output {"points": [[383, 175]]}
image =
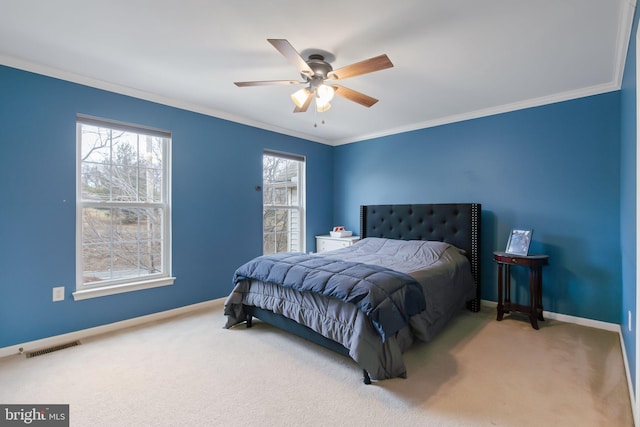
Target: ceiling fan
{"points": [[319, 76]]}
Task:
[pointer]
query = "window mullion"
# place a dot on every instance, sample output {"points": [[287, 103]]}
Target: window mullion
{"points": [[111, 251]]}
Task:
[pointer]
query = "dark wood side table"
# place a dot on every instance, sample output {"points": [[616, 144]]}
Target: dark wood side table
{"points": [[535, 264]]}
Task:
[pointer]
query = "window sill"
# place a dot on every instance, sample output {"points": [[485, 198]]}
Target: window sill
{"points": [[119, 289]]}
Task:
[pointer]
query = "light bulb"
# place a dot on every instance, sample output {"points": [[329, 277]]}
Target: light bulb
{"points": [[325, 93], [300, 96]]}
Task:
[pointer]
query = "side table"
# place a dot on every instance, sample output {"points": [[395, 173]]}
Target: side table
{"points": [[535, 264]]}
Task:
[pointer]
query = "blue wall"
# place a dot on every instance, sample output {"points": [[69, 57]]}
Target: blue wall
{"points": [[628, 191], [217, 213], [553, 168]]}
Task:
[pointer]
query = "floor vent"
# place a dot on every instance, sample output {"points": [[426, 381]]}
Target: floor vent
{"points": [[31, 354]]}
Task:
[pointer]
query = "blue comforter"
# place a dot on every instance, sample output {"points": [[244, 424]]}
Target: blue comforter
{"points": [[386, 296]]}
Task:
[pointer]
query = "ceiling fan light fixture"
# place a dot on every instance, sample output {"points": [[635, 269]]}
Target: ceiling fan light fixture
{"points": [[299, 97], [324, 93], [322, 107]]}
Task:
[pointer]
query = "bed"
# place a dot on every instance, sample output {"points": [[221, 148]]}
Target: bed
{"points": [[321, 297]]}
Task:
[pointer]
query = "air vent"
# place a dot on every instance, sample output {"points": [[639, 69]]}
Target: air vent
{"points": [[31, 354]]}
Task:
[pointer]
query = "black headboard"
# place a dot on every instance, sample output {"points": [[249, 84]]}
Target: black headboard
{"points": [[454, 223]]}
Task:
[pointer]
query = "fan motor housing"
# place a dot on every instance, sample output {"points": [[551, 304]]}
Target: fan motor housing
{"points": [[320, 67]]}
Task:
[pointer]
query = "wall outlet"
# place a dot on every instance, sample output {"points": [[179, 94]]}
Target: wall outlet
{"points": [[58, 293], [630, 320]]}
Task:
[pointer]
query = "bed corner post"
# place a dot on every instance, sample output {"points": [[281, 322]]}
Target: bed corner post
{"points": [[365, 377], [476, 213]]}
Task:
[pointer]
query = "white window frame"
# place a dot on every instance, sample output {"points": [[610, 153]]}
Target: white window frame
{"points": [[300, 209], [117, 286]]}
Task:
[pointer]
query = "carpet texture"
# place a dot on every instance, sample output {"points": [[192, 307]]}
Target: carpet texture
{"points": [[189, 371]]}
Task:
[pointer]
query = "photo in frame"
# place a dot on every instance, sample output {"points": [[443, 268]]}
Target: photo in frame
{"points": [[519, 241]]}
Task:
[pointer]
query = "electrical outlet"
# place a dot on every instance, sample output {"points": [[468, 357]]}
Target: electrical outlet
{"points": [[630, 317], [58, 293]]}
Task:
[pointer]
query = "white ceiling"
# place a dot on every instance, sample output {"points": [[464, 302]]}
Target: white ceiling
{"points": [[454, 60]]}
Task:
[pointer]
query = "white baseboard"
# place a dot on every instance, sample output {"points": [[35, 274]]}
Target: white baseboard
{"points": [[613, 327], [634, 407], [84, 333]]}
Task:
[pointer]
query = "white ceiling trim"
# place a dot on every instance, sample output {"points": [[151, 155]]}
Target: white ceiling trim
{"points": [[623, 39]]}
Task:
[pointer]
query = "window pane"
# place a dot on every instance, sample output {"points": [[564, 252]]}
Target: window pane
{"points": [[269, 227], [281, 231], [95, 144], [280, 182], [96, 161], [121, 242], [150, 169], [280, 196], [269, 220], [95, 182], [121, 166], [124, 183], [150, 184], [267, 194]]}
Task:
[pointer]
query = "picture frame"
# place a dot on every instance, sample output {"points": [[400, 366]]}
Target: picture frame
{"points": [[519, 241]]}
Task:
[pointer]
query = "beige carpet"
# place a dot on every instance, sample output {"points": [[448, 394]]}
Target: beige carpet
{"points": [[189, 371]]}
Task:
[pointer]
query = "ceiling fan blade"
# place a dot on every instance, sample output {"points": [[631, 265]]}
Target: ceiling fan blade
{"points": [[355, 96], [269, 82], [284, 47], [306, 104], [363, 67]]}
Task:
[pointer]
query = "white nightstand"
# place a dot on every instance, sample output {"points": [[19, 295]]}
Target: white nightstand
{"points": [[328, 243]]}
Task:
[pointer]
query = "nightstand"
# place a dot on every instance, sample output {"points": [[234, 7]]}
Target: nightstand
{"points": [[328, 243], [535, 264]]}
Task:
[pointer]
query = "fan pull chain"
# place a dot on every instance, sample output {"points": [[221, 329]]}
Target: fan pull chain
{"points": [[315, 116]]}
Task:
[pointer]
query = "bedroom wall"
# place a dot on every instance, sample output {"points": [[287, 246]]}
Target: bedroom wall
{"points": [[217, 213], [628, 193], [553, 168]]}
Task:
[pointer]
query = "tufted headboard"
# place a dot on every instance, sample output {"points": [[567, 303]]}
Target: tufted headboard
{"points": [[454, 223]]}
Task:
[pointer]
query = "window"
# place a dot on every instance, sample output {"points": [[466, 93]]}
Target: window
{"points": [[123, 216], [283, 202]]}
